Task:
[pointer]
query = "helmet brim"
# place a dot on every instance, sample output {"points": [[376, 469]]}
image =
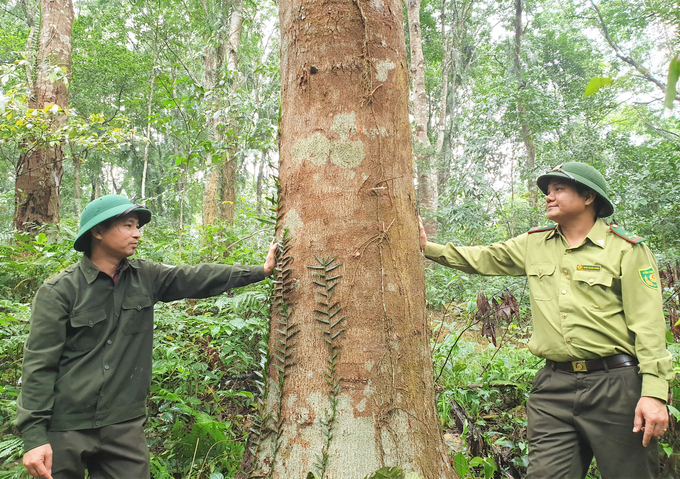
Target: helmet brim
{"points": [[83, 237], [543, 181]]}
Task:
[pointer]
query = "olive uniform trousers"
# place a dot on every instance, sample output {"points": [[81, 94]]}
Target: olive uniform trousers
{"points": [[118, 451], [573, 416]]}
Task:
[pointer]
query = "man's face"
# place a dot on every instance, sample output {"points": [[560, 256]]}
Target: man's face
{"points": [[120, 241], [564, 202]]}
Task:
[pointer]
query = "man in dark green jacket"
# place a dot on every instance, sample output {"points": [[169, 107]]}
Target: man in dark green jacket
{"points": [[87, 361], [597, 320]]}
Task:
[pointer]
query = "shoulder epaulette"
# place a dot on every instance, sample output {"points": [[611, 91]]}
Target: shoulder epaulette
{"points": [[53, 279], [541, 229], [622, 233]]}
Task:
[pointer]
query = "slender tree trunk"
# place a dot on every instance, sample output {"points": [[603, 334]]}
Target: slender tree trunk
{"points": [[527, 137], [76, 185], [441, 120], [427, 173], [260, 180], [152, 85], [213, 62], [39, 173], [350, 384], [230, 167]]}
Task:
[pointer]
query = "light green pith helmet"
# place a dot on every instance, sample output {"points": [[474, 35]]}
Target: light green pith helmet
{"points": [[584, 174], [102, 209]]}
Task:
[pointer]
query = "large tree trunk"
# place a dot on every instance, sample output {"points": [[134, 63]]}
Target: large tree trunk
{"points": [[39, 172], [350, 386], [427, 173]]}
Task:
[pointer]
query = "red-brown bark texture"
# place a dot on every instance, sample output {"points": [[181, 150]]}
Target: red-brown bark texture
{"points": [[358, 393], [39, 171]]}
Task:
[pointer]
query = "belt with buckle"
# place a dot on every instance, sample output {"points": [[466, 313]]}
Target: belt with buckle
{"points": [[590, 365]]}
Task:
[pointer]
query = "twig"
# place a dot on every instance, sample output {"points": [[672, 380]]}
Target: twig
{"points": [[245, 238]]}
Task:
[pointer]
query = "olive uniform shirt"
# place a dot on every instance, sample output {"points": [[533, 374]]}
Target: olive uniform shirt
{"points": [[593, 300], [87, 360]]}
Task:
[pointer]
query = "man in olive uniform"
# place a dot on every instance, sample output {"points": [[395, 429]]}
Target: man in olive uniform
{"points": [[597, 320], [87, 361]]}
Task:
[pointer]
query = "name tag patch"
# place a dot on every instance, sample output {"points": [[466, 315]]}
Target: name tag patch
{"points": [[649, 278], [589, 267]]}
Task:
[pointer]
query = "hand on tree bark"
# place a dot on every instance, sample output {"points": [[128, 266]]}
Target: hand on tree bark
{"points": [[38, 461], [270, 262], [423, 235]]}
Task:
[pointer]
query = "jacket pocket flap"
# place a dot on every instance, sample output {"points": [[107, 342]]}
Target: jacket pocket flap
{"points": [[592, 278], [541, 269], [138, 302], [87, 318]]}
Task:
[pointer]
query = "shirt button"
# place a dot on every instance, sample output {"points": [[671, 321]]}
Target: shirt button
{"points": [[566, 273], [564, 316], [139, 308], [568, 341], [564, 291], [101, 395], [109, 342], [106, 367], [591, 280], [98, 423], [90, 323]]}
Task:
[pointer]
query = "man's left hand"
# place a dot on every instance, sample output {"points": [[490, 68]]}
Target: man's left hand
{"points": [[270, 262], [651, 416]]}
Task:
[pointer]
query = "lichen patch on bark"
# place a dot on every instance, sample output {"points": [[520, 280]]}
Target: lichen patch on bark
{"points": [[314, 148], [347, 153], [383, 69], [293, 221]]}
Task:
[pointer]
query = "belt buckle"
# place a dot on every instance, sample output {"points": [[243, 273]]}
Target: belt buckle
{"points": [[579, 366]]}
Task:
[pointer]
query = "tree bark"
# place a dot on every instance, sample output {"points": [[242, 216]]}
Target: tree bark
{"points": [[230, 167], [39, 172], [527, 136], [350, 386], [427, 173], [259, 181]]}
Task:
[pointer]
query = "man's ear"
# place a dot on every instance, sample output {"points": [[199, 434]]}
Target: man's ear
{"points": [[96, 233], [590, 197]]}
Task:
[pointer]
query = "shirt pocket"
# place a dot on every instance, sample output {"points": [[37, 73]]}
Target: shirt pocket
{"points": [[541, 280], [87, 328], [592, 287], [137, 314]]}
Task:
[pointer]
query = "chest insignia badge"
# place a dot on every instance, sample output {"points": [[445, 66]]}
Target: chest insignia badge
{"points": [[589, 267], [649, 278]]}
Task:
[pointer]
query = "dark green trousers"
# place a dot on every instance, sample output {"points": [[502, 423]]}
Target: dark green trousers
{"points": [[573, 416], [118, 451]]}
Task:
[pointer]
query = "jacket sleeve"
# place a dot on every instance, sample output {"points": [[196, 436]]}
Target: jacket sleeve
{"points": [[499, 259], [43, 348], [643, 309], [201, 281]]}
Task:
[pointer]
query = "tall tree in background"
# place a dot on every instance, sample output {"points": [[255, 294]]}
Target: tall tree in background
{"points": [[527, 137], [230, 164], [350, 385], [220, 201], [39, 171], [427, 171]]}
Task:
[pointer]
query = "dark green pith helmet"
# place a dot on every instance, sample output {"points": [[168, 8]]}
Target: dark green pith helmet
{"points": [[584, 174], [102, 209]]}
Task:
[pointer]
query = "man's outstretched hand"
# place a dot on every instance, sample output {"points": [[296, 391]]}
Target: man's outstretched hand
{"points": [[38, 462], [423, 235], [270, 262]]}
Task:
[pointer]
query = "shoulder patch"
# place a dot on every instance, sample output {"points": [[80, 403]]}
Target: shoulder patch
{"points": [[648, 277], [622, 233], [541, 229]]}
